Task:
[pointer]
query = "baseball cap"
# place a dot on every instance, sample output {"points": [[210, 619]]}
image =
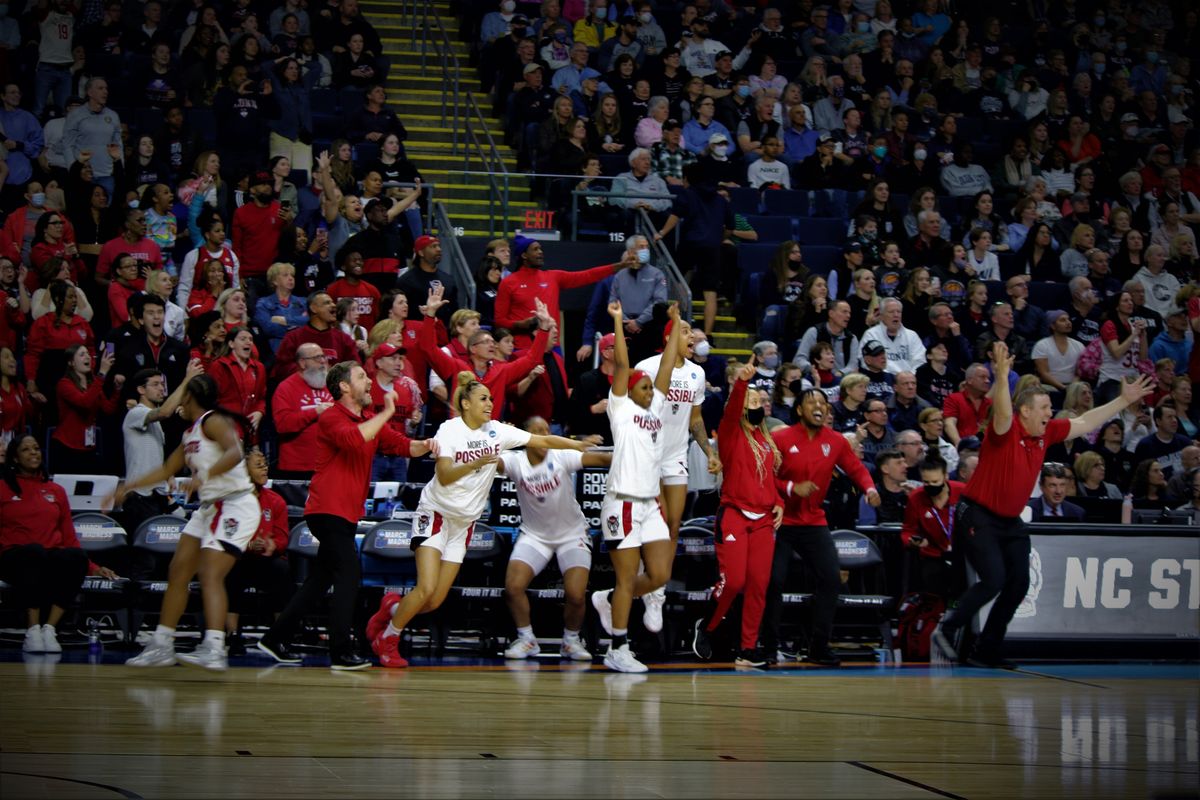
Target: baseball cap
{"points": [[671, 125], [588, 73], [1129, 117], [261, 178], [532, 67], [723, 54], [873, 349], [1053, 315], [717, 138], [1176, 116], [969, 443], [519, 20], [384, 350], [824, 138], [608, 340], [377, 201], [1159, 148], [851, 247], [422, 242]]}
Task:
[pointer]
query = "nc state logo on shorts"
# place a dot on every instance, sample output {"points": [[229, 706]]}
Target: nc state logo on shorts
{"points": [[422, 523], [231, 526], [612, 523]]}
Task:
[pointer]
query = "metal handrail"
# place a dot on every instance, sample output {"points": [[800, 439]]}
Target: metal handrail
{"points": [[578, 193], [464, 278], [676, 285], [492, 161], [428, 196]]}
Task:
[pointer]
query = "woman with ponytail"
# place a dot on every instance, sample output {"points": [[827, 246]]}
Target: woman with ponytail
{"points": [[749, 515], [468, 449], [216, 534]]}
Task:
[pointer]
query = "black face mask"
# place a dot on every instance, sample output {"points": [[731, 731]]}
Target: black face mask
{"points": [[755, 416], [935, 490], [264, 197]]}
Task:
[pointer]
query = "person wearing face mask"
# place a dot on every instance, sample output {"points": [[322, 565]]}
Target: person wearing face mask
{"points": [[650, 34], [639, 289], [746, 521], [497, 24], [1151, 74], [929, 527], [828, 111]]}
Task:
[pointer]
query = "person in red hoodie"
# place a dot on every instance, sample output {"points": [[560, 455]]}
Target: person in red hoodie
{"points": [[809, 452], [16, 302], [17, 235], [82, 397], [749, 514], [264, 564], [16, 407], [496, 375], [395, 307], [257, 226], [298, 402], [40, 556], [929, 529], [241, 378], [322, 329], [348, 436], [50, 241], [54, 332]]}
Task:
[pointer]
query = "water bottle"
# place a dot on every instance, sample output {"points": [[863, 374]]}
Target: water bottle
{"points": [[93, 638], [1127, 510]]}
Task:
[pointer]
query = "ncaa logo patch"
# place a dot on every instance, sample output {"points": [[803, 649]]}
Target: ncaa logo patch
{"points": [[492, 434]]}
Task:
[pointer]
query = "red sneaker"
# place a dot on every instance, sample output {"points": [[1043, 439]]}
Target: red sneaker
{"points": [[389, 656], [378, 622]]}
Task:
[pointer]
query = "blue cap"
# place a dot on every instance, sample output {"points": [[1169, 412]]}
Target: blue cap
{"points": [[519, 246], [588, 72]]}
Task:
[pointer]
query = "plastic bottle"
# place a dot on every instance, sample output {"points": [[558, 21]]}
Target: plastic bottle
{"points": [[1127, 510], [93, 639]]}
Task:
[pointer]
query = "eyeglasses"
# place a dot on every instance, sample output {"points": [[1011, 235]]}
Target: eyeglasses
{"points": [[55, 222]]}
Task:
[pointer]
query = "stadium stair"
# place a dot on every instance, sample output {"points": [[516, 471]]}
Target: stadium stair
{"points": [[417, 97], [727, 339]]}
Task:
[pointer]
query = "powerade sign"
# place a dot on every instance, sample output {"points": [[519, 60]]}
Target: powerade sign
{"points": [[1111, 587]]}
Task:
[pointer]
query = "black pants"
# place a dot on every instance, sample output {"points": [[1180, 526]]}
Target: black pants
{"points": [[997, 548], [42, 577], [813, 544], [336, 565], [269, 575]]}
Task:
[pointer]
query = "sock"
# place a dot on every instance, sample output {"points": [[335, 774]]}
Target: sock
{"points": [[164, 636], [215, 638], [619, 638], [570, 635], [392, 630], [526, 632]]}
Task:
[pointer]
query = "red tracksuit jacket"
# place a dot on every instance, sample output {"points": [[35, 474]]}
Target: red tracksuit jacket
{"points": [[343, 462], [813, 459], [742, 486]]}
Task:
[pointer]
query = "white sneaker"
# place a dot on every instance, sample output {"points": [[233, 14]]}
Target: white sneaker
{"points": [[50, 640], [621, 660], [523, 648], [652, 616], [574, 651], [604, 609], [34, 642], [155, 655], [208, 656]]}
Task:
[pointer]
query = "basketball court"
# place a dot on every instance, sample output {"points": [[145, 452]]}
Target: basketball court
{"points": [[70, 729]]}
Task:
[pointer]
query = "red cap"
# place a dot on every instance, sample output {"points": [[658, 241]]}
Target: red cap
{"points": [[636, 376], [384, 350], [422, 242], [608, 340]]}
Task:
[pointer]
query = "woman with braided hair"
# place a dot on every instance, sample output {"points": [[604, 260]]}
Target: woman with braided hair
{"points": [[747, 519]]}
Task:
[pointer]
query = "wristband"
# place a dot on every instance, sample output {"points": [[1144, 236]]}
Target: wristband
{"points": [[790, 485]]}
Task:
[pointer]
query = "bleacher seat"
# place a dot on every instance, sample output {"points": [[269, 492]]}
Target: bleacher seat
{"points": [[203, 122], [755, 257], [323, 101], [772, 229], [786, 203], [822, 259], [1049, 295], [387, 554], [86, 492], [774, 325], [820, 231], [745, 201]]}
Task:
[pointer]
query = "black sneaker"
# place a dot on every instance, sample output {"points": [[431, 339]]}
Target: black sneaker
{"points": [[751, 657], [278, 651], [347, 662], [237, 645], [701, 645], [824, 658], [986, 661]]}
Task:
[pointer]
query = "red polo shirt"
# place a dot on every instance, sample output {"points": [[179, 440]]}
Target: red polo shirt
{"points": [[969, 419], [1009, 465], [343, 462], [935, 525]]}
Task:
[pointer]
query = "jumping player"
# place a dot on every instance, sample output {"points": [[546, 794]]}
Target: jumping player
{"points": [[631, 514], [681, 417], [468, 451], [552, 525], [747, 519], [810, 451], [988, 523], [216, 534]]}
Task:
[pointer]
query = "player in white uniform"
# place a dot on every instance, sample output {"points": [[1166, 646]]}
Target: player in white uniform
{"points": [[681, 422], [631, 516], [215, 535], [552, 525], [468, 450]]}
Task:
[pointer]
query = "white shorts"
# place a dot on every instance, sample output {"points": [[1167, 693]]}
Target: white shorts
{"points": [[576, 552], [674, 468], [448, 535], [226, 525], [633, 522]]}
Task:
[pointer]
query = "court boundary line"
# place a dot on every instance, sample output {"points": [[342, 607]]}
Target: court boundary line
{"points": [[126, 793], [1023, 671], [924, 786]]}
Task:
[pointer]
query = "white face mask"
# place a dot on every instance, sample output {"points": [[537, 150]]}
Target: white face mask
{"points": [[646, 18], [719, 150], [919, 155], [508, 7], [702, 349]]}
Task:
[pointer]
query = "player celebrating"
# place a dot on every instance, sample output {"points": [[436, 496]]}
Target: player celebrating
{"points": [[988, 524], [468, 449], [681, 417], [552, 524], [216, 534], [750, 513], [809, 451], [631, 513]]}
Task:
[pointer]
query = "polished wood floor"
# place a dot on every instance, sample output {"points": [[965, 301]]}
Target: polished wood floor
{"points": [[543, 730]]}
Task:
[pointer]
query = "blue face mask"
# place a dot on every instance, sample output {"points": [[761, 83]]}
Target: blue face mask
{"points": [[1099, 68], [38, 199], [743, 91], [560, 36], [864, 27], [880, 152], [1121, 47], [1151, 57], [839, 91], [643, 255]]}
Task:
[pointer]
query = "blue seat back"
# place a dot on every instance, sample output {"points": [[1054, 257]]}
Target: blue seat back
{"points": [[772, 229], [787, 203], [99, 532], [856, 551], [159, 534], [301, 542]]}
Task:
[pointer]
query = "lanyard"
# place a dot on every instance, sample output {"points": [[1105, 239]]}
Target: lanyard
{"points": [[949, 531]]}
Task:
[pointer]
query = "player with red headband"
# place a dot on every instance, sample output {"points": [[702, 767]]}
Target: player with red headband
{"points": [[631, 515]]}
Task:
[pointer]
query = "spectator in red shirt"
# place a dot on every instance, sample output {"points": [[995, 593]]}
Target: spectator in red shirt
{"points": [[966, 410], [322, 328], [257, 226], [395, 307], [389, 377], [14, 314], [203, 298], [209, 334], [366, 296], [50, 241], [133, 240], [16, 407], [81, 399], [50, 335], [122, 288], [264, 564], [929, 529], [40, 556], [298, 402], [241, 378]]}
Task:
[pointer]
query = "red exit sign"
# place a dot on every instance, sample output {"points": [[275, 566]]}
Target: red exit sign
{"points": [[539, 220]]}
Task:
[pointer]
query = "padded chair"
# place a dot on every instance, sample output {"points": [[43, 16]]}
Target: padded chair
{"points": [[388, 559], [100, 533], [861, 557], [86, 492], [786, 203], [745, 201], [820, 231], [822, 259], [774, 324], [158, 536], [772, 229]]}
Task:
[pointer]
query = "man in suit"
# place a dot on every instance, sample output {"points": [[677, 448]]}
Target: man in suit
{"points": [[1053, 506]]}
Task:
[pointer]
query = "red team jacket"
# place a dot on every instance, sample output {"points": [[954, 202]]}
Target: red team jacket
{"points": [[813, 460], [742, 487], [294, 409]]}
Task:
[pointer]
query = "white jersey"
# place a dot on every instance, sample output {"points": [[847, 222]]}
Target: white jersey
{"points": [[637, 445], [549, 510], [467, 497], [201, 454], [686, 391]]}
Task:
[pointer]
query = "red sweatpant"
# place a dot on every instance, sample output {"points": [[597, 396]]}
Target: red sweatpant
{"points": [[745, 550]]}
